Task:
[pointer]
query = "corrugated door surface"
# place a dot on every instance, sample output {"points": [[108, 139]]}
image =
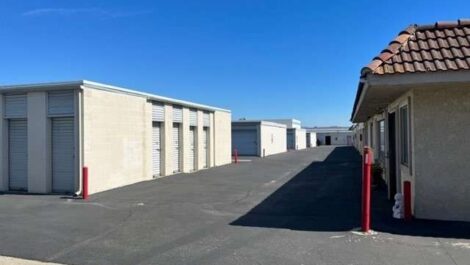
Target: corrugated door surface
{"points": [[15, 106], [206, 119], [246, 142], [60, 103], [176, 148], [290, 139], [156, 149], [158, 111], [18, 155], [192, 148], [63, 166], [193, 118], [177, 114], [205, 147]]}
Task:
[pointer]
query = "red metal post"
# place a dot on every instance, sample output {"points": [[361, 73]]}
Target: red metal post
{"points": [[235, 155], [85, 183], [407, 199], [366, 183]]}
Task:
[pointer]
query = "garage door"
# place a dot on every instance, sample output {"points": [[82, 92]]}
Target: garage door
{"points": [[176, 148], [18, 155], [63, 162], [205, 147], [192, 148], [290, 139], [156, 149], [245, 141]]}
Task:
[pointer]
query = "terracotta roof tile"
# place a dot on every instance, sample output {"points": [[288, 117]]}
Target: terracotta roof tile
{"points": [[443, 46], [463, 41]]}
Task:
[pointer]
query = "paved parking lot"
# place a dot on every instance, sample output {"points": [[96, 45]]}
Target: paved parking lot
{"points": [[293, 208]]}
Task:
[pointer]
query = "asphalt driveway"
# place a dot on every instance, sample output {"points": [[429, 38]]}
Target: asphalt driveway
{"points": [[293, 208]]}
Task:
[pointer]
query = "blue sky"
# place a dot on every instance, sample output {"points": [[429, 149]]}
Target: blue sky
{"points": [[261, 59]]}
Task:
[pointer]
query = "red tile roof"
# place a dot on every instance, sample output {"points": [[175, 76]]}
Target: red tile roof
{"points": [[443, 46]]}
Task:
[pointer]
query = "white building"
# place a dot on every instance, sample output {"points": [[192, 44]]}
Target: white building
{"points": [[311, 139], [258, 138], [296, 136], [333, 135]]}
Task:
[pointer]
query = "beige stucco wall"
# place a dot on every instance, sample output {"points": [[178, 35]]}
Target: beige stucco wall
{"points": [[212, 143], [222, 137], [117, 139], [186, 165], [273, 139], [442, 126]]}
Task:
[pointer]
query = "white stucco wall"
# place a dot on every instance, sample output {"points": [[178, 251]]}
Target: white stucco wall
{"points": [[337, 138], [313, 139], [301, 139], [273, 139], [442, 126]]}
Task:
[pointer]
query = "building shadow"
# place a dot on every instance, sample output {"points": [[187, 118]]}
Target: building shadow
{"points": [[326, 196], [322, 197]]}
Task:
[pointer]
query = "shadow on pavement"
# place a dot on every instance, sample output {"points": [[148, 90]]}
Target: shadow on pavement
{"points": [[326, 196], [322, 197]]}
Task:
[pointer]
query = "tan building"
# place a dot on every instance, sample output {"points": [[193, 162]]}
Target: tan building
{"points": [[258, 138], [49, 132], [413, 100]]}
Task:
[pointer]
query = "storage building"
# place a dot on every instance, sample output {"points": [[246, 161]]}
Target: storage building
{"points": [[49, 132], [258, 138], [296, 136], [333, 135], [311, 139]]}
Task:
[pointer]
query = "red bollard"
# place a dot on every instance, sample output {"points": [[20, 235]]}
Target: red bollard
{"points": [[407, 200], [85, 183], [235, 155], [366, 183]]}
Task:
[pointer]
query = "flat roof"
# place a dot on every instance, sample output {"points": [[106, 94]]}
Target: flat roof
{"points": [[328, 129], [263, 122], [105, 87]]}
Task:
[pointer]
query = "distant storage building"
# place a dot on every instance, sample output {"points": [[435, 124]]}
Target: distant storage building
{"points": [[296, 136], [333, 135], [311, 139], [258, 138], [49, 132]]}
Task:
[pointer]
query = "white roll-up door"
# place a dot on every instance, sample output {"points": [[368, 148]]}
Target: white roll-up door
{"points": [[192, 148], [246, 142], [206, 118], [158, 111], [15, 106], [193, 117], [156, 149], [18, 155], [60, 103], [205, 147], [176, 148], [63, 149], [177, 114]]}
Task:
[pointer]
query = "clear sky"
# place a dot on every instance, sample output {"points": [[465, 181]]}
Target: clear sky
{"points": [[261, 59]]}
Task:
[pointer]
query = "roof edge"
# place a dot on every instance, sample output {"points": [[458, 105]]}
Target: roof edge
{"points": [[111, 88]]}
